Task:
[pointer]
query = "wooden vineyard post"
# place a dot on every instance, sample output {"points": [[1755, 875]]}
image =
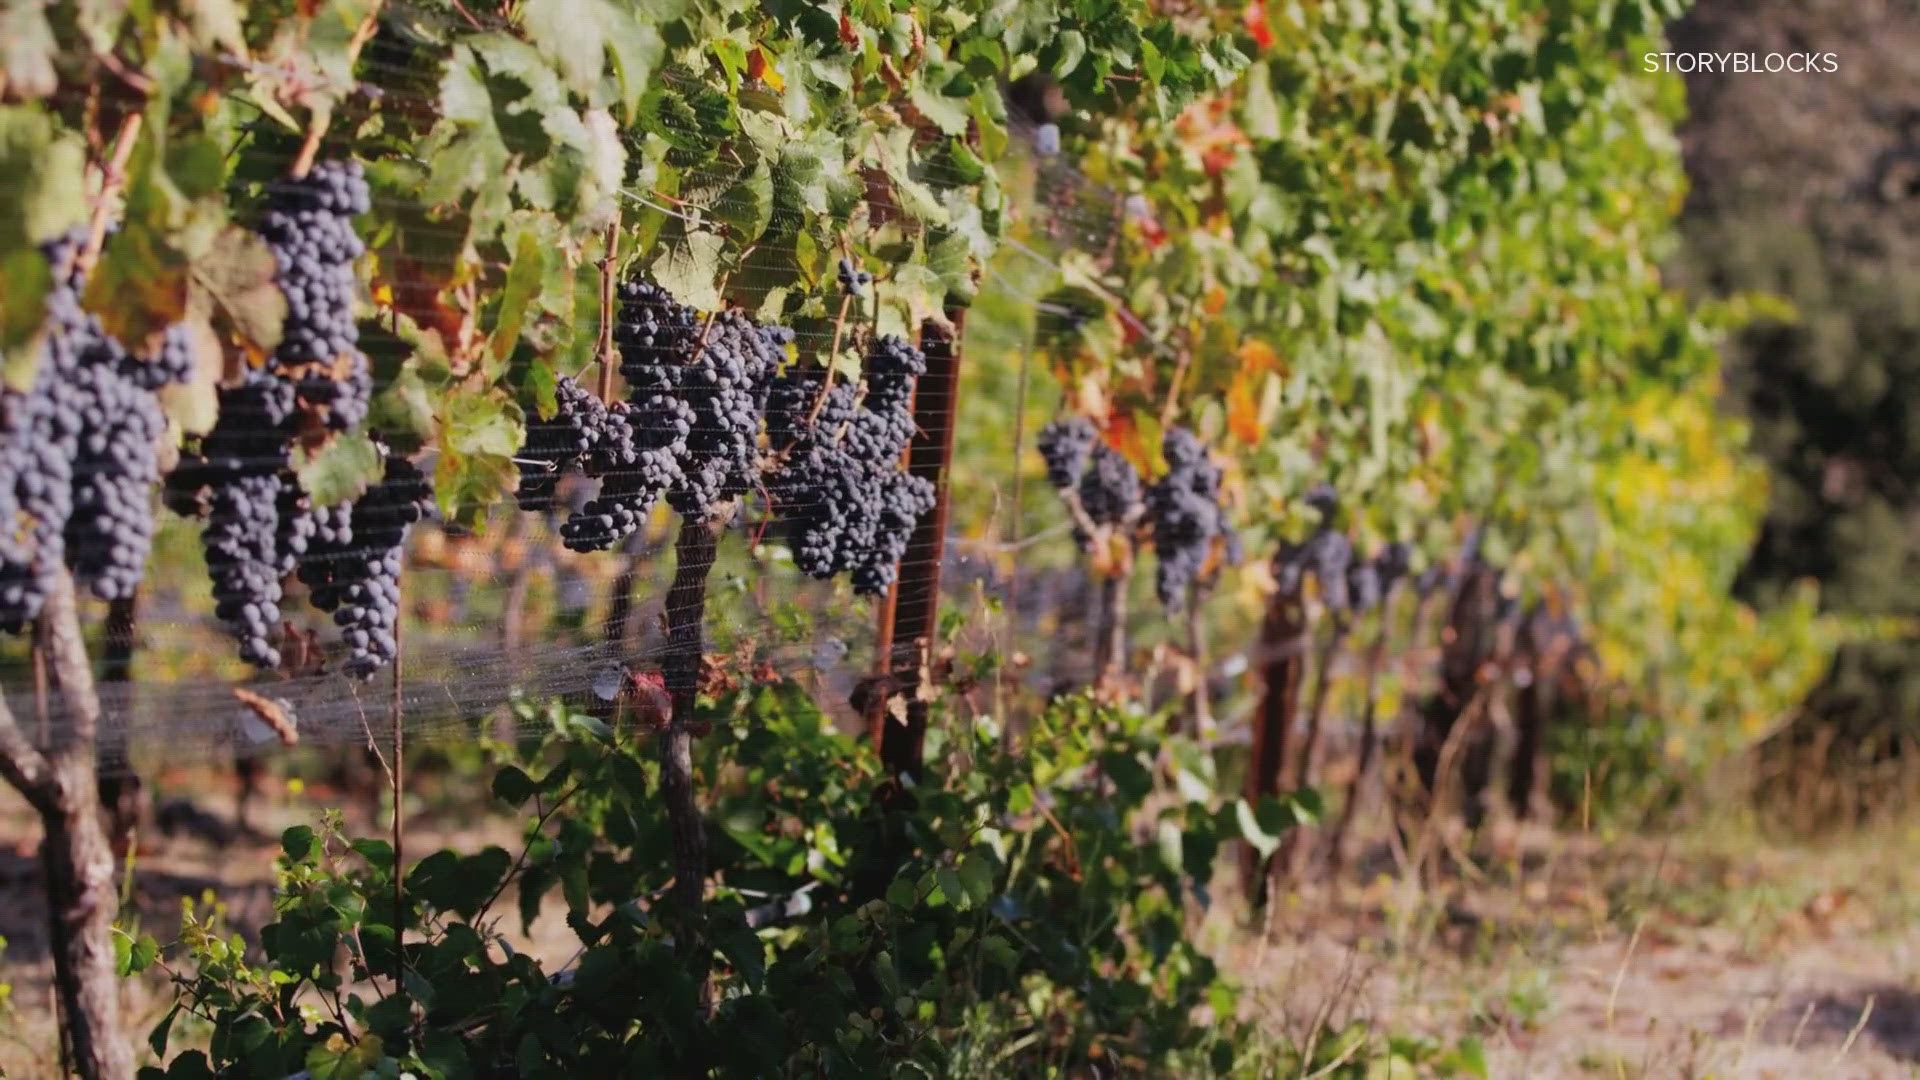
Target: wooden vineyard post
{"points": [[1275, 763], [680, 670], [120, 786], [909, 616]]}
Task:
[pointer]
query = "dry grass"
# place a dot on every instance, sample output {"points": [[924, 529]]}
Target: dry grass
{"points": [[1694, 956]]}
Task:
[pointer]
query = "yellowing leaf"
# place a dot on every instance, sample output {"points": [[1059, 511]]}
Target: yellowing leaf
{"points": [[759, 67], [1091, 395], [1257, 357], [1243, 409]]}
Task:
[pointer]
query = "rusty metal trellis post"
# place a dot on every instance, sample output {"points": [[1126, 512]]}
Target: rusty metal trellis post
{"points": [[909, 616]]}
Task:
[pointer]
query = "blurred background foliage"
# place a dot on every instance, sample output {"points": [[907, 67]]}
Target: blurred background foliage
{"points": [[1808, 190], [1425, 253]]}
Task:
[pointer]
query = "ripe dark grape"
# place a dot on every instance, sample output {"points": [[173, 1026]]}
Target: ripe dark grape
{"points": [[891, 368], [655, 335], [726, 384], [853, 282], [244, 564], [1184, 508], [636, 454], [1110, 489], [258, 523], [1046, 140], [355, 563], [309, 226], [558, 443], [1065, 445]]}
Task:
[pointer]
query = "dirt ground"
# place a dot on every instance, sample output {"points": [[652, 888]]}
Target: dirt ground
{"points": [[1702, 955], [1696, 956]]}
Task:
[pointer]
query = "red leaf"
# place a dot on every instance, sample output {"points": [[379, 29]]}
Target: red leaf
{"points": [[651, 702], [1254, 16]]}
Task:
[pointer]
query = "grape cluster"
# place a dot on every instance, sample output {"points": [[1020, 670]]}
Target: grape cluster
{"points": [[636, 454], [853, 282], [309, 226], [39, 435], [849, 504], [1110, 490], [1350, 584], [1327, 556], [726, 383], [353, 568], [1184, 509], [1065, 445], [690, 427], [253, 505], [891, 370], [111, 529], [1083, 468], [243, 561], [559, 442], [77, 452], [1371, 580]]}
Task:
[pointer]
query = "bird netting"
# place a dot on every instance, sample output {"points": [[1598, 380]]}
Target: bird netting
{"points": [[303, 579]]}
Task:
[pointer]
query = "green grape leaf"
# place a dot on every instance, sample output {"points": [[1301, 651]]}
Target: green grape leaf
{"points": [[340, 470], [27, 49], [949, 114], [572, 34], [42, 171], [524, 278], [689, 266]]}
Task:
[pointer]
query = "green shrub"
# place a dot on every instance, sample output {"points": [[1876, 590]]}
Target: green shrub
{"points": [[1004, 918]]}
